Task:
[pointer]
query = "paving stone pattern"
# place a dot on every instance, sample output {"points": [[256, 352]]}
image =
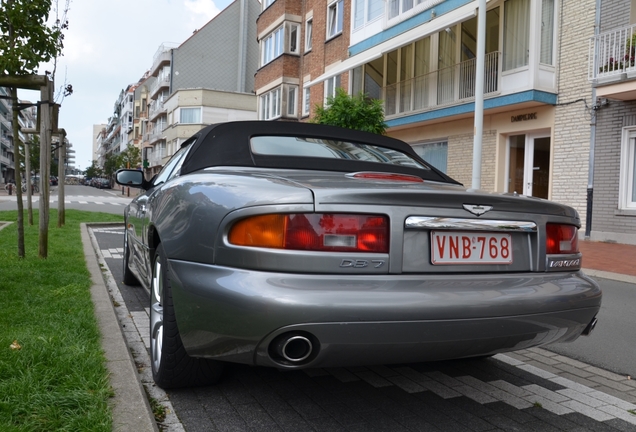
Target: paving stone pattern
{"points": [[529, 390]]}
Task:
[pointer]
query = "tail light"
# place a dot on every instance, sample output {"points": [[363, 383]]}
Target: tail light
{"points": [[314, 232], [561, 239]]}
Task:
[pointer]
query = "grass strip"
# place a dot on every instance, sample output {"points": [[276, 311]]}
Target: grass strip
{"points": [[52, 368]]}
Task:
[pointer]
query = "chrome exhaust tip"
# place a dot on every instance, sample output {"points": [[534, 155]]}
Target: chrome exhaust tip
{"points": [[294, 348], [590, 327]]}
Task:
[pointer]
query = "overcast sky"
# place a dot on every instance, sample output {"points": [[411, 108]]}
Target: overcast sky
{"points": [[110, 44]]}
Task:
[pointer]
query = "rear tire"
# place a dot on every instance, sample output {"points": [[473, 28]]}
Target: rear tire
{"points": [[129, 277], [172, 367]]}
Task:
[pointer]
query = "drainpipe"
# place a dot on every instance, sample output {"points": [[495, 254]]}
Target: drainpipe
{"points": [[479, 94], [590, 172], [242, 64]]}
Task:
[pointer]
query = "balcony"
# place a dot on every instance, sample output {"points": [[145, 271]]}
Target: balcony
{"points": [[611, 63], [155, 110], [161, 57], [156, 157], [447, 86], [161, 83], [6, 160]]}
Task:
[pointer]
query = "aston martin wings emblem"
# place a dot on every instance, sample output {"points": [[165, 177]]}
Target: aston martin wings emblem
{"points": [[477, 209]]}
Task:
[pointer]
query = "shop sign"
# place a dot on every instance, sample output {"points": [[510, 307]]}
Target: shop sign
{"points": [[524, 117]]}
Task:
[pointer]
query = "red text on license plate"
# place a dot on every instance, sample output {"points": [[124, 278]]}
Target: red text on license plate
{"points": [[454, 247]]}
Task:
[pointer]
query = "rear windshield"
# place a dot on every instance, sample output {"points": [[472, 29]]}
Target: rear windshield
{"points": [[330, 149]]}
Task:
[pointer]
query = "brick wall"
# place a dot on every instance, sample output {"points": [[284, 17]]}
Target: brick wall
{"points": [[460, 156], [571, 118], [614, 14]]}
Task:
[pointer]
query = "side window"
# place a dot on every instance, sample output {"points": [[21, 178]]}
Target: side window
{"points": [[173, 165]]}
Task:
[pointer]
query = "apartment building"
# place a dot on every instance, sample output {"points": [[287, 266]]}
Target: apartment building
{"points": [[419, 58], [612, 72], [206, 79], [7, 164]]}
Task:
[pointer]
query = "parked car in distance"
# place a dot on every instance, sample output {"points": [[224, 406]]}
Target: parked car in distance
{"points": [[295, 245]]}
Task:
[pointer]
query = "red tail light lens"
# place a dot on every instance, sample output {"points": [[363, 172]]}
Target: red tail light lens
{"points": [[314, 232], [561, 239]]}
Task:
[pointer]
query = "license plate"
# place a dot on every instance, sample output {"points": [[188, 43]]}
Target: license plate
{"points": [[456, 247]]}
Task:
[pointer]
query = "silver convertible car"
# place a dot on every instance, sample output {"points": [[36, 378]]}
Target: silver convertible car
{"points": [[295, 245]]}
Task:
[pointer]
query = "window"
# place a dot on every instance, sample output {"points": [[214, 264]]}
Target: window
{"points": [[435, 153], [309, 28], [267, 3], [270, 105], [516, 34], [284, 39], [627, 186], [365, 11], [291, 101], [273, 45], [306, 106], [335, 18], [279, 102], [190, 115], [547, 32], [331, 85]]}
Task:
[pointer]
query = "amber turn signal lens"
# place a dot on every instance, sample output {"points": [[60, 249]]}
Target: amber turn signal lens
{"points": [[259, 231]]}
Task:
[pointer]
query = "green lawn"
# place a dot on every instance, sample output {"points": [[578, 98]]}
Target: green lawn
{"points": [[52, 370]]}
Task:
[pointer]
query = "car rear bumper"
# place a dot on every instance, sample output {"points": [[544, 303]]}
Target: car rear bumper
{"points": [[240, 315]]}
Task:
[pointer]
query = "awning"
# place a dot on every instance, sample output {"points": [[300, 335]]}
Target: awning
{"points": [[442, 22]]}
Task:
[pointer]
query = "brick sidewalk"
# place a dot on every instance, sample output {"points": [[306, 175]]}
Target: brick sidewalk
{"points": [[609, 257]]}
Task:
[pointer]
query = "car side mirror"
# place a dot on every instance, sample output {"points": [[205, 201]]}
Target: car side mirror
{"points": [[131, 178]]}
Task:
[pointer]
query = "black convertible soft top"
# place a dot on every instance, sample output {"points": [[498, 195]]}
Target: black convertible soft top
{"points": [[228, 144]]}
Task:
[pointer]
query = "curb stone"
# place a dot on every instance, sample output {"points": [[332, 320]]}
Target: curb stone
{"points": [[130, 407]]}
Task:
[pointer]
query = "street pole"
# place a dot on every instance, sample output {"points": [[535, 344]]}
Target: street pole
{"points": [[479, 94]]}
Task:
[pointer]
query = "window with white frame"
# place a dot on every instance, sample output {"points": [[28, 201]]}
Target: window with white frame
{"points": [[627, 185], [306, 106], [285, 39], [279, 102], [365, 11], [331, 85], [190, 115], [291, 101], [516, 34], [267, 3], [270, 105], [547, 32], [335, 18], [435, 153], [309, 29]]}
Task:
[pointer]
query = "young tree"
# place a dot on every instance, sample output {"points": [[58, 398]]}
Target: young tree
{"points": [[94, 170], [27, 41], [357, 112], [130, 158]]}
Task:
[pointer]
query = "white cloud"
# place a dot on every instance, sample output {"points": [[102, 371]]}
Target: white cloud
{"points": [[110, 44]]}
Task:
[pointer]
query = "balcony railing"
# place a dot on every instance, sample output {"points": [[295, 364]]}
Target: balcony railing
{"points": [[612, 53], [156, 157], [441, 87], [160, 83], [156, 108]]}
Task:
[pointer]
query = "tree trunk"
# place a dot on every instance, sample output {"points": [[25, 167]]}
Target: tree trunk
{"points": [[18, 176], [46, 101]]}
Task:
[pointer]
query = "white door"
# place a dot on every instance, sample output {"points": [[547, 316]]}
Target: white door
{"points": [[529, 164]]}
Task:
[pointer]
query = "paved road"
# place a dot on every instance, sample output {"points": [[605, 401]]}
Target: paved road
{"points": [[78, 197], [612, 345], [531, 390]]}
